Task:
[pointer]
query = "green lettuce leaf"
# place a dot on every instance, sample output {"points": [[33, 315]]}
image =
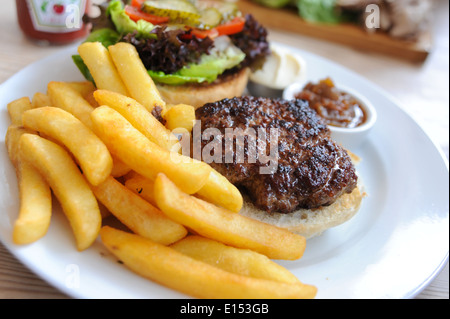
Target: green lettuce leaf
{"points": [[82, 67], [124, 24], [209, 67], [105, 36]]}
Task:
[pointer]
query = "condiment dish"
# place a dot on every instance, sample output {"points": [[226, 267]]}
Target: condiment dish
{"points": [[281, 68], [350, 138]]}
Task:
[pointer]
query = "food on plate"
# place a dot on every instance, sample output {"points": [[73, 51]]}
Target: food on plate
{"points": [[137, 214], [135, 76], [194, 56], [35, 205], [40, 99], [100, 67], [143, 156], [89, 151], [34, 193], [308, 183], [336, 107], [281, 68], [139, 116], [180, 116], [244, 262], [178, 271], [35, 197], [16, 109], [226, 226], [68, 98], [141, 181], [142, 186], [85, 88], [67, 183], [219, 191]]}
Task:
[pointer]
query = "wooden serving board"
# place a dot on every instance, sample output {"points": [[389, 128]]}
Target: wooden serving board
{"points": [[346, 34]]}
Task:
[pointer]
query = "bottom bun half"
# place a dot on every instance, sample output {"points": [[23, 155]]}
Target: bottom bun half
{"points": [[198, 95], [311, 222]]}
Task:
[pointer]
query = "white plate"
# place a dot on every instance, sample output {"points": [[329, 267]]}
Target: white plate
{"points": [[392, 248]]}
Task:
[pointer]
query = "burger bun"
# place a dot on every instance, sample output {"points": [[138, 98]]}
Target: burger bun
{"points": [[310, 222], [198, 95]]}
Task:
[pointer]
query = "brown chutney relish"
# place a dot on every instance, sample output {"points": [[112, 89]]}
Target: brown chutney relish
{"points": [[336, 107]]}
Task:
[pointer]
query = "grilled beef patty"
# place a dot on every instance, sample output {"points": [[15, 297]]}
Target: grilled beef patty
{"points": [[312, 171]]}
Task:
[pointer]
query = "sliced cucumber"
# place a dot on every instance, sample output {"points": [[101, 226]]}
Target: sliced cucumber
{"points": [[210, 17], [176, 10]]}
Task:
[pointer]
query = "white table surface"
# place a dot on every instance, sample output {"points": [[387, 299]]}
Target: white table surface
{"points": [[421, 89]]}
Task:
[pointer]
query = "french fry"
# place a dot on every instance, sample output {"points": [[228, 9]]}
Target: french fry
{"points": [[243, 262], [68, 184], [86, 89], [135, 76], [180, 116], [119, 168], [12, 137], [16, 109], [100, 65], [227, 227], [144, 156], [35, 206], [142, 186], [137, 214], [83, 87], [219, 191], [40, 99], [89, 151], [64, 96], [34, 193], [175, 270], [139, 117]]}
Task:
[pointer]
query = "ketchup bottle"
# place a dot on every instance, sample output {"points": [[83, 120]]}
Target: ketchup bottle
{"points": [[52, 21]]}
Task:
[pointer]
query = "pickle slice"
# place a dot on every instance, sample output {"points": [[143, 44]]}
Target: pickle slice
{"points": [[210, 17], [176, 10], [228, 10]]}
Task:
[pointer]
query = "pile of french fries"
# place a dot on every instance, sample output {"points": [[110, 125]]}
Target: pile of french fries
{"points": [[101, 152]]}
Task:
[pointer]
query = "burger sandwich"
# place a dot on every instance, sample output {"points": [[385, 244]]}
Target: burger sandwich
{"points": [[196, 51], [279, 153]]}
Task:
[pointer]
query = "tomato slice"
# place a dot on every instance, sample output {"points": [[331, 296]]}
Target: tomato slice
{"points": [[137, 3], [231, 27], [135, 14], [201, 34]]}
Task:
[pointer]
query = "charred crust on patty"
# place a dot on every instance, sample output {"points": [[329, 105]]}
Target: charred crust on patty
{"points": [[313, 170]]}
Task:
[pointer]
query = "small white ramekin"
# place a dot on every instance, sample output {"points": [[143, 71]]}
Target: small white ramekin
{"points": [[350, 138]]}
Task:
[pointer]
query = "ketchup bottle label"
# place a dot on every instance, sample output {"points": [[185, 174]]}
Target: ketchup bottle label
{"points": [[56, 16]]}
